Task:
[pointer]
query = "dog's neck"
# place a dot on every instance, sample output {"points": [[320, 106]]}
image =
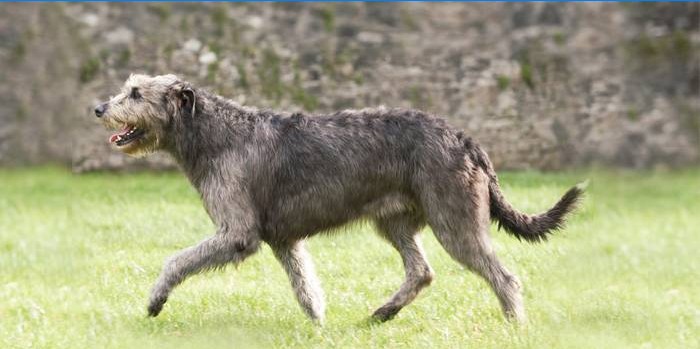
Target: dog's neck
{"points": [[196, 146]]}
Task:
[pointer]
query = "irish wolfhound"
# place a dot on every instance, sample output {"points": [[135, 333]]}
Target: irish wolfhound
{"points": [[281, 178]]}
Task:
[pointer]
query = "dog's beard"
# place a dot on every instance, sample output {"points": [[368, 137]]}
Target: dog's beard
{"points": [[133, 137], [140, 148]]}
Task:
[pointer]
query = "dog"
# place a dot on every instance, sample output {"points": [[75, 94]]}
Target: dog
{"points": [[280, 178]]}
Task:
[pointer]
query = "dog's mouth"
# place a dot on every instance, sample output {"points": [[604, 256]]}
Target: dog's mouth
{"points": [[127, 135]]}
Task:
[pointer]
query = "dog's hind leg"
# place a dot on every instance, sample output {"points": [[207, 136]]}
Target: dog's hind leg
{"points": [[223, 248], [479, 258], [296, 261], [402, 231], [458, 212]]}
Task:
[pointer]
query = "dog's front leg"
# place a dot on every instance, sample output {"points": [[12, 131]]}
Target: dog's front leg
{"points": [[297, 263], [225, 247]]}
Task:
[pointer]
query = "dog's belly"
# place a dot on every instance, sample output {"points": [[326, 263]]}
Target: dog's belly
{"points": [[294, 219], [388, 205]]}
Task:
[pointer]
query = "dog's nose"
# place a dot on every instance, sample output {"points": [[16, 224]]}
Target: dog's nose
{"points": [[100, 110]]}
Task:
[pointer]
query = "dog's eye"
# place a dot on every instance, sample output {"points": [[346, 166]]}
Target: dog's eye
{"points": [[135, 93]]}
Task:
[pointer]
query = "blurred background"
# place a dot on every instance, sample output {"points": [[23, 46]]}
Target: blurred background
{"points": [[541, 85]]}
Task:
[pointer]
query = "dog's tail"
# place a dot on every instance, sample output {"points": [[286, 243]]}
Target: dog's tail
{"points": [[532, 228]]}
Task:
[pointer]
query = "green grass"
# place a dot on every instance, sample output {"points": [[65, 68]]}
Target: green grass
{"points": [[78, 255]]}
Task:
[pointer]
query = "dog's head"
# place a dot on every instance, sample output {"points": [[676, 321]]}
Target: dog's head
{"points": [[145, 111]]}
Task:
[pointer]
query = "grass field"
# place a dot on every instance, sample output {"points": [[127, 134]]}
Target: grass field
{"points": [[78, 255]]}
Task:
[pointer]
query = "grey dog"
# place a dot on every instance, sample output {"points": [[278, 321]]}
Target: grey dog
{"points": [[279, 178]]}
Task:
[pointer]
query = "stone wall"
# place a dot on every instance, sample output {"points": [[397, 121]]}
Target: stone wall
{"points": [[540, 85]]}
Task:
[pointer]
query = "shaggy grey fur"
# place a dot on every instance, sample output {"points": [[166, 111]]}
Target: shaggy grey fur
{"points": [[280, 178]]}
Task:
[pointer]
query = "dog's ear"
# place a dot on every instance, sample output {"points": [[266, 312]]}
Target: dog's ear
{"points": [[188, 100]]}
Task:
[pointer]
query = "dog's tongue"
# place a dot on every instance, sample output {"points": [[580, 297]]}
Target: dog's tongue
{"points": [[117, 136]]}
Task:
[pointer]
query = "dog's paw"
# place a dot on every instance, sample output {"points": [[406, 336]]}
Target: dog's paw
{"points": [[385, 313], [155, 307]]}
